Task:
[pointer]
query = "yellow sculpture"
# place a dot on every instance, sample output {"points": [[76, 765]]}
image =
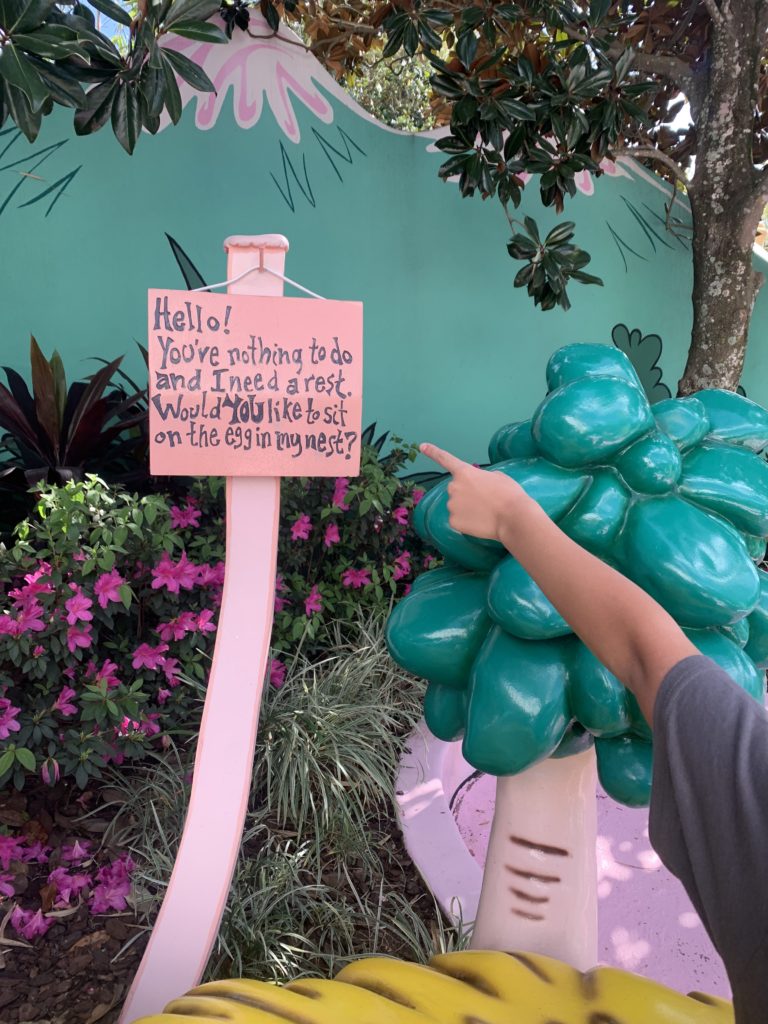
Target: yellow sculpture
{"points": [[472, 987]]}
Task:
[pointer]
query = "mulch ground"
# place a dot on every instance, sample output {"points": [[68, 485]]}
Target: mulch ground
{"points": [[80, 970]]}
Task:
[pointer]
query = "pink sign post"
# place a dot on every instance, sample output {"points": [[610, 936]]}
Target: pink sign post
{"points": [[252, 386]]}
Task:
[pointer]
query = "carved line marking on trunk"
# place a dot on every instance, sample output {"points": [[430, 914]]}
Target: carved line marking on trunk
{"points": [[527, 896], [532, 876], [532, 966], [554, 851], [527, 915], [603, 1018]]}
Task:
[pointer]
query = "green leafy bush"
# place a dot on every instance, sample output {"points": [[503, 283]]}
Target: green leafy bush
{"points": [[345, 545], [111, 601], [59, 431], [108, 620]]}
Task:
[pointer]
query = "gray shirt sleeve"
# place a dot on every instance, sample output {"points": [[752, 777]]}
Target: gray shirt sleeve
{"points": [[709, 816]]}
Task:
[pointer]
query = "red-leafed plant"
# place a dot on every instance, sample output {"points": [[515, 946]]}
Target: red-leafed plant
{"points": [[58, 432]]}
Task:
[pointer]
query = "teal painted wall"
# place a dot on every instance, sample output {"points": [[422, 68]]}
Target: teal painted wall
{"points": [[451, 349]]}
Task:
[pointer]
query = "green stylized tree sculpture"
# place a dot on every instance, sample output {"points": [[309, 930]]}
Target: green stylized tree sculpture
{"points": [[676, 497]]}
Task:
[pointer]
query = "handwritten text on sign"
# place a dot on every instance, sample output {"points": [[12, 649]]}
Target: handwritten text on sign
{"points": [[248, 385]]}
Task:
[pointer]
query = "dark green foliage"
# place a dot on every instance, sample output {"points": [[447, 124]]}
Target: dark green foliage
{"points": [[54, 53], [57, 432]]}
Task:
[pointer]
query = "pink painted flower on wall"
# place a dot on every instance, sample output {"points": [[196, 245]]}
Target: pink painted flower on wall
{"points": [[255, 67]]}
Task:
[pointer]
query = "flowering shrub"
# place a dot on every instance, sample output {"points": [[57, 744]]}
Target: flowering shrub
{"points": [[345, 545], [105, 603], [111, 601]]}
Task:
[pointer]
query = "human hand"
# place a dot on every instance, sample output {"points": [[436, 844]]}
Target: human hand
{"points": [[479, 501]]}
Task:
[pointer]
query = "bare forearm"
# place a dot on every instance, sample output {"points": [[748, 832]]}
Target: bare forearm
{"points": [[623, 626]]}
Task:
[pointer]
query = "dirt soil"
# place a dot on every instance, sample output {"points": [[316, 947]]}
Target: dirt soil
{"points": [[79, 972], [75, 973]]}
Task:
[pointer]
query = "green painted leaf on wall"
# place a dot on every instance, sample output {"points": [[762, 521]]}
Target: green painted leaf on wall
{"points": [[644, 351]]}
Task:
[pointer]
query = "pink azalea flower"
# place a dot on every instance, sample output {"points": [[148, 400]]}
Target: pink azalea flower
{"points": [[29, 924], [210, 575], [6, 885], [79, 636], [63, 703], [407, 589], [8, 723], [174, 576], [400, 515], [280, 603], [126, 727], [170, 668], [417, 494], [37, 651], [331, 535], [114, 886], [428, 561], [302, 528], [10, 849], [171, 630], [164, 575], [76, 852], [50, 772], [67, 885], [186, 572], [280, 582], [107, 674], [107, 587], [204, 621], [313, 603], [149, 724], [35, 853], [340, 488], [78, 608], [69, 673], [149, 657], [356, 578], [43, 569], [402, 565], [30, 618], [277, 672], [184, 517], [8, 625], [162, 696]]}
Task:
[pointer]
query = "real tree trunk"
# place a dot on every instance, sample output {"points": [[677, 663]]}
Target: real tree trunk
{"points": [[539, 891], [726, 201]]}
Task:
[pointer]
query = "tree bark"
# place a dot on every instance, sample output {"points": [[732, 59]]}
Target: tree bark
{"points": [[726, 201], [539, 891]]}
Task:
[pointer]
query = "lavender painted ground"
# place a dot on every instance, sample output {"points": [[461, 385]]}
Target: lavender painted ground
{"points": [[647, 923]]}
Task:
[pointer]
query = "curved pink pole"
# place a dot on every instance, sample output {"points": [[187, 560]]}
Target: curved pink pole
{"points": [[189, 918]]}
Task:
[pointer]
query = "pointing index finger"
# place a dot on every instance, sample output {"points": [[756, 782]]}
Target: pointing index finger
{"points": [[451, 463]]}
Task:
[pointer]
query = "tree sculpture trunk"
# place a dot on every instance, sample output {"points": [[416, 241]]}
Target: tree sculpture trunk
{"points": [[727, 197], [539, 889]]}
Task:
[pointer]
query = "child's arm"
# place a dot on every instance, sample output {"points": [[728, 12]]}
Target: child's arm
{"points": [[623, 626]]}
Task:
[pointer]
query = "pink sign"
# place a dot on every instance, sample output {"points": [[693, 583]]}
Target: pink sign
{"points": [[252, 385]]}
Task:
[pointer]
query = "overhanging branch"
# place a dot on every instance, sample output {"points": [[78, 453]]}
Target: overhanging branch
{"points": [[673, 68], [651, 153]]}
